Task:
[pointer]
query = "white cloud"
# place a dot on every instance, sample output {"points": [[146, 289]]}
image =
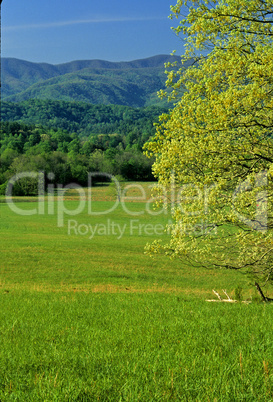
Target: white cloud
{"points": [[78, 22]]}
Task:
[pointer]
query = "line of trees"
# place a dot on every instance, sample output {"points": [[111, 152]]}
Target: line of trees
{"points": [[135, 125], [35, 148]]}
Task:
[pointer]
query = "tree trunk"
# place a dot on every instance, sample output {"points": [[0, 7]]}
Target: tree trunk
{"points": [[265, 299]]}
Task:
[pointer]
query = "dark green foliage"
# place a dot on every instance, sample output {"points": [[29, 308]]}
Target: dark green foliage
{"points": [[86, 119], [33, 148], [239, 293]]}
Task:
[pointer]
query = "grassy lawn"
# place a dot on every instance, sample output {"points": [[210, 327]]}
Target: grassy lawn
{"points": [[85, 315]]}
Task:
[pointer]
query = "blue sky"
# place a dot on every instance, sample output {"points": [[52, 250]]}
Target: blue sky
{"points": [[58, 31]]}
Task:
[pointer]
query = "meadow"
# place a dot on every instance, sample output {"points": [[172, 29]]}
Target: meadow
{"points": [[85, 315]]}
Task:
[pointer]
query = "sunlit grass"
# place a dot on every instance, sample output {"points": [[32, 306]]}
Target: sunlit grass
{"points": [[133, 347], [36, 252], [86, 318]]}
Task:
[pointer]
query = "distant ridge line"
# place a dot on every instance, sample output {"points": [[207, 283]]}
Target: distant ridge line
{"points": [[153, 61], [130, 83]]}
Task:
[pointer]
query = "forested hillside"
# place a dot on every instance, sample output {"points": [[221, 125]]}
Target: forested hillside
{"points": [[71, 139], [132, 83], [78, 117], [136, 124]]}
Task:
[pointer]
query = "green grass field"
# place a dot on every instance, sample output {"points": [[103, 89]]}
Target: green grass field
{"points": [[90, 317]]}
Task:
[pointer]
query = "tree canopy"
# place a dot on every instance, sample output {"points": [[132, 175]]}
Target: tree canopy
{"points": [[214, 149]]}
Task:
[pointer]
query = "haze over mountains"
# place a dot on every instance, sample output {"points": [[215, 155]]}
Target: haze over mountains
{"points": [[133, 83]]}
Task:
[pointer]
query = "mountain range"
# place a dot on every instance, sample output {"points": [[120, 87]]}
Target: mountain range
{"points": [[134, 83]]}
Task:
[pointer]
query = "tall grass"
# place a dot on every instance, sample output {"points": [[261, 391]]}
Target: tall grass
{"points": [[133, 347]]}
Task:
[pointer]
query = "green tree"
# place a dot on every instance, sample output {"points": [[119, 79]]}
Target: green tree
{"points": [[214, 149]]}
